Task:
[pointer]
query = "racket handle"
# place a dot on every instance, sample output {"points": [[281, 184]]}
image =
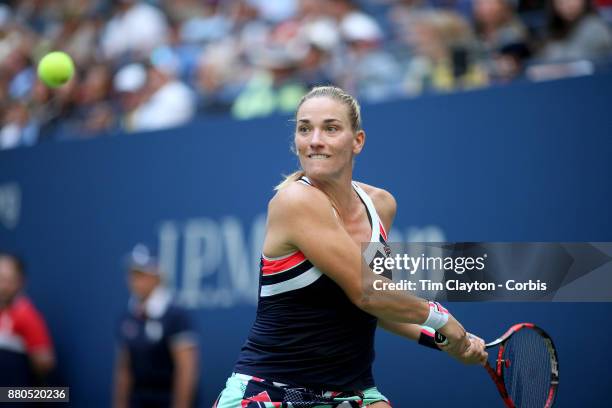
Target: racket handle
{"points": [[440, 339]]}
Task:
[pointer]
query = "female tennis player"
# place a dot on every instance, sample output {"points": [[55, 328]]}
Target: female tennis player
{"points": [[312, 343]]}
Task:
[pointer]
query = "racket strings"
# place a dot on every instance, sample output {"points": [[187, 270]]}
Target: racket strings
{"points": [[527, 369]]}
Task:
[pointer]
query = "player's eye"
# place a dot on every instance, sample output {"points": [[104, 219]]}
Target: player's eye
{"points": [[332, 129], [302, 129]]}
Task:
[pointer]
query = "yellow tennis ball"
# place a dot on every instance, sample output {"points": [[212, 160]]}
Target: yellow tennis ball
{"points": [[55, 69]]}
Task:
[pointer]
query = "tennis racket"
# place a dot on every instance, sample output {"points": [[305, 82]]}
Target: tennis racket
{"points": [[525, 366]]}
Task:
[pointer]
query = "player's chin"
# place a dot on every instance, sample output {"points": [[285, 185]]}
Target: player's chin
{"points": [[319, 171]]}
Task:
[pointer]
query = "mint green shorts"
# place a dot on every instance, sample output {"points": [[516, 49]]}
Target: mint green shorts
{"points": [[245, 391]]}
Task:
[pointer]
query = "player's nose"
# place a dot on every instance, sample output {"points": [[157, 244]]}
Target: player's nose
{"points": [[316, 140]]}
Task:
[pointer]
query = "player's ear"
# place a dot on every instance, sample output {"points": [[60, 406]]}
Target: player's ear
{"points": [[358, 142]]}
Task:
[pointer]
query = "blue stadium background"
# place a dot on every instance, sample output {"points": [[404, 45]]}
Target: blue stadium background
{"points": [[526, 163]]}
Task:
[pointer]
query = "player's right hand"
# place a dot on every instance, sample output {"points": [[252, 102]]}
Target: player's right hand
{"points": [[475, 354]]}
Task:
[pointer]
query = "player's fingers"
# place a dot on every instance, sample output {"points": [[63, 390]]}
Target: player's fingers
{"points": [[455, 348], [478, 340], [458, 348], [475, 354], [472, 356], [478, 344], [473, 336], [483, 358], [480, 355]]}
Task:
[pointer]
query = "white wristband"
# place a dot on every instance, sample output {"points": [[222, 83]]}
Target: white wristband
{"points": [[438, 316]]}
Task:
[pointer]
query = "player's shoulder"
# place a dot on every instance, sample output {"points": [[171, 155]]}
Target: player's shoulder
{"points": [[383, 200], [297, 197]]}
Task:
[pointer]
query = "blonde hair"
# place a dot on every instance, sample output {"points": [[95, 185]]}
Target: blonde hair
{"points": [[335, 93]]}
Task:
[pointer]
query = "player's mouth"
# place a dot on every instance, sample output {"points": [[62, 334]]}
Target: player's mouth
{"points": [[318, 156]]}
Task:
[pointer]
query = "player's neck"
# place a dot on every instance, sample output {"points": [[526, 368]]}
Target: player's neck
{"points": [[340, 192]]}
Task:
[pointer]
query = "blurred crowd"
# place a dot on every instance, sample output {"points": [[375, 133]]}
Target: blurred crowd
{"points": [[146, 65]]}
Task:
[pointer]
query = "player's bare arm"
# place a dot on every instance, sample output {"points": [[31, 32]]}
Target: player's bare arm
{"points": [[386, 207], [302, 217]]}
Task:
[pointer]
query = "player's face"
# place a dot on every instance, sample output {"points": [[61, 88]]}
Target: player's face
{"points": [[10, 280], [324, 139]]}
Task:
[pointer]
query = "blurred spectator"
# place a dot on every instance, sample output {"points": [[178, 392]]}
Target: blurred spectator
{"points": [[321, 34], [248, 28], [502, 37], [166, 101], [17, 64], [200, 22], [61, 109], [346, 12], [321, 31], [135, 29], [188, 10], [277, 10], [497, 25], [19, 129], [443, 45], [219, 77], [401, 12], [26, 352], [157, 359], [93, 114], [533, 14], [375, 73], [76, 30], [508, 63], [315, 67], [129, 83], [274, 86], [575, 31]]}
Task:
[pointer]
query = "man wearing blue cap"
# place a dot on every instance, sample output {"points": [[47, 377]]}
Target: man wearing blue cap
{"points": [[157, 357]]}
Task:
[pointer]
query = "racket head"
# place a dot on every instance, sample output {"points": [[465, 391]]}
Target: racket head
{"points": [[524, 367]]}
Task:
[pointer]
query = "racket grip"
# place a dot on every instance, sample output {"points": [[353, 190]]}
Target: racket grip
{"points": [[440, 339]]}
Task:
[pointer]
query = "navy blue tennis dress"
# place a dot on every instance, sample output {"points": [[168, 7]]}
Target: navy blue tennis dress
{"points": [[307, 333]]}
